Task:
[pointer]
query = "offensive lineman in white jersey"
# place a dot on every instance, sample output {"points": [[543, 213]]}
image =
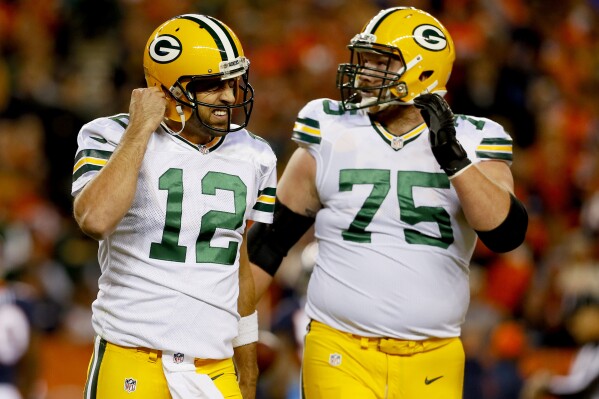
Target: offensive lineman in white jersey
{"points": [[167, 190], [399, 189]]}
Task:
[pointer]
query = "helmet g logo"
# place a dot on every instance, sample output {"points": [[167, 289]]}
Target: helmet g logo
{"points": [[165, 49], [430, 37]]}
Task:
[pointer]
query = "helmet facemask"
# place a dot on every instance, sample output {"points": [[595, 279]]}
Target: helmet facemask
{"points": [[186, 87], [350, 77], [415, 38]]}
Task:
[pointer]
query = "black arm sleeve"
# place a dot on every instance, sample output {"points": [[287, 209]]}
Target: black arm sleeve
{"points": [[268, 244], [511, 232]]}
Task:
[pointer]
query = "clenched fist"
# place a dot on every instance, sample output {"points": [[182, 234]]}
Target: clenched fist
{"points": [[147, 107]]}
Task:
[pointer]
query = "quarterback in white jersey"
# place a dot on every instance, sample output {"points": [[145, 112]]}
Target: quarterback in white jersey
{"points": [[167, 190], [398, 189], [173, 259]]}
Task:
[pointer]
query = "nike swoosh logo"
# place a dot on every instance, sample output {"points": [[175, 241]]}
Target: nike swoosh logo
{"points": [[216, 376], [100, 139], [427, 381]]}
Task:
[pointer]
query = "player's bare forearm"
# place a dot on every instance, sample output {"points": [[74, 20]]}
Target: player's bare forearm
{"points": [[247, 366], [108, 196], [262, 281], [246, 301], [484, 189], [484, 192], [245, 356], [486, 195]]}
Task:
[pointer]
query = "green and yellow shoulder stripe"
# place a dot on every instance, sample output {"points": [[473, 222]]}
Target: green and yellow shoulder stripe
{"points": [[306, 131], [93, 159], [496, 143], [266, 200], [495, 148]]}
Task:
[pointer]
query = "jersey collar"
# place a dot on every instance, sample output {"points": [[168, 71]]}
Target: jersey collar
{"points": [[202, 148], [398, 142]]}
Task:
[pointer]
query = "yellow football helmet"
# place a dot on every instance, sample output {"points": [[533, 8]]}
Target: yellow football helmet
{"points": [[417, 39], [187, 52]]}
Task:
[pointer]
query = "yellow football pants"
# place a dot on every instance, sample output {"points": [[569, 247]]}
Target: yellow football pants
{"points": [[117, 372], [338, 365]]}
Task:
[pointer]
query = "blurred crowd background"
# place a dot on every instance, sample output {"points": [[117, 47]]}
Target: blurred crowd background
{"points": [[531, 65]]}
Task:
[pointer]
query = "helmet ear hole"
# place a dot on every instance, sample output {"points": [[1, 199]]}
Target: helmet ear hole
{"points": [[425, 75]]}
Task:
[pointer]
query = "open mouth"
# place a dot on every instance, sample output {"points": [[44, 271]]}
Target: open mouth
{"points": [[220, 114]]}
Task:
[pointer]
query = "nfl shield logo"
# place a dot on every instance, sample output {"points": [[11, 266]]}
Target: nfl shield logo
{"points": [[130, 385], [397, 143], [178, 358], [335, 359]]}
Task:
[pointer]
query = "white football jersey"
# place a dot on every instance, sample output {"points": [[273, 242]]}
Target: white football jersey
{"points": [[170, 269], [394, 244]]}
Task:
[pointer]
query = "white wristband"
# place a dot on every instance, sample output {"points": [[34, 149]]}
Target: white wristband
{"points": [[460, 172], [247, 330]]}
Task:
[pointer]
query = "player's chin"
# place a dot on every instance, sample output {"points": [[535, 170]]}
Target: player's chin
{"points": [[219, 126], [373, 109]]}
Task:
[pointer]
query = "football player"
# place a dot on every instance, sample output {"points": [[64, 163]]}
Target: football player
{"points": [[399, 188], [167, 190]]}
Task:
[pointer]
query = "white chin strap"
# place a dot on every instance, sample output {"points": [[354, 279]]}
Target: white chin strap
{"points": [[371, 102], [367, 102], [182, 116]]}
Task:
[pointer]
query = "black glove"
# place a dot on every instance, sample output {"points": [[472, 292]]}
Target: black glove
{"points": [[447, 150]]}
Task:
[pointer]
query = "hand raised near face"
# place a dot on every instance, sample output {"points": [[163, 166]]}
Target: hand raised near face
{"points": [[446, 148], [147, 108], [438, 116]]}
